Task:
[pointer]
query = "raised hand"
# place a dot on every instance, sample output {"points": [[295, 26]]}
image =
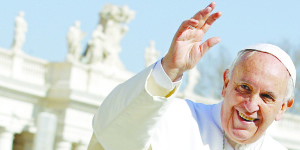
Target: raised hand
{"points": [[186, 49]]}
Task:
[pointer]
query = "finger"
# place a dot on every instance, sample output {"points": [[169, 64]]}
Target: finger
{"points": [[203, 14], [211, 19], [204, 11], [205, 46], [185, 25]]}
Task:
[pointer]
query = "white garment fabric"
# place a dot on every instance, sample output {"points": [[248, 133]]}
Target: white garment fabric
{"points": [[140, 114]]}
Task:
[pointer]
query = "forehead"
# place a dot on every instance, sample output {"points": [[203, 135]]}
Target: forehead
{"points": [[262, 69]]}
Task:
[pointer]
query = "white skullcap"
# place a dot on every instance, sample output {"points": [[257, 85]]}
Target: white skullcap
{"points": [[279, 54]]}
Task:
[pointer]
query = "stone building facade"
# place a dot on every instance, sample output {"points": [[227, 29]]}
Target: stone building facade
{"points": [[50, 105]]}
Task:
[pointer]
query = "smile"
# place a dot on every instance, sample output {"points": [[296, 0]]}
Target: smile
{"points": [[244, 117]]}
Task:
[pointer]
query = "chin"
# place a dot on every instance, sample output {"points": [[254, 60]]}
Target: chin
{"points": [[240, 136]]}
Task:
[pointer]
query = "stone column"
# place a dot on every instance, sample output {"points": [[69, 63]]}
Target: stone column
{"points": [[63, 145], [6, 139], [46, 131]]}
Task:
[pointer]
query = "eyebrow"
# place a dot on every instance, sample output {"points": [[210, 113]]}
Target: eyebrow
{"points": [[272, 94]]}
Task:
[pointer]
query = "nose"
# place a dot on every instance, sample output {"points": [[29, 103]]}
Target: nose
{"points": [[252, 104]]}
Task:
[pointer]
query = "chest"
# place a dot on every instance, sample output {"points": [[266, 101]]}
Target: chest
{"points": [[181, 128]]}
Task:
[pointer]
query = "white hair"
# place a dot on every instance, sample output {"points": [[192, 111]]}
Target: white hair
{"points": [[290, 85]]}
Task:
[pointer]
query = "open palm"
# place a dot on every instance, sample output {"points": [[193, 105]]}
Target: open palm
{"points": [[186, 49]]}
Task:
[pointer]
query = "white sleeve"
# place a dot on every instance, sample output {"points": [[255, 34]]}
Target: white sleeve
{"points": [[162, 79], [127, 117]]}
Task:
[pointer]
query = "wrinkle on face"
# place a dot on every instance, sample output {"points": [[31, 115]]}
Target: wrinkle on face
{"points": [[256, 80]]}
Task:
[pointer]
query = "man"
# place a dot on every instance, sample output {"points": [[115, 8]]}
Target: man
{"points": [[143, 113]]}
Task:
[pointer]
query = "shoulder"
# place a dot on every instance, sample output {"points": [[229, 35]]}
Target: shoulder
{"points": [[178, 104], [270, 143], [179, 110], [198, 111], [200, 108], [192, 107]]}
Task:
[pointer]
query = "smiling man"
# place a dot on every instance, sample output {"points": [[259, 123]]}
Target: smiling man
{"points": [[143, 112], [257, 90]]}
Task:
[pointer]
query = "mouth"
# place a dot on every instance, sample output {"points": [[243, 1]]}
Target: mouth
{"points": [[244, 117]]}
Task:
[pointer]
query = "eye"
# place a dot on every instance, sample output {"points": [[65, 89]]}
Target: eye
{"points": [[267, 98], [245, 87]]}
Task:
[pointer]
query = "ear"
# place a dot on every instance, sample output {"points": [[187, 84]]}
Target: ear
{"points": [[226, 81], [285, 106]]}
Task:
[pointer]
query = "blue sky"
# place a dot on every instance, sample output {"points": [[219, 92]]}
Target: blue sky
{"points": [[243, 23]]}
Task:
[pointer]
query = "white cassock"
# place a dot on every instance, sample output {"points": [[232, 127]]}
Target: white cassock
{"points": [[142, 113]]}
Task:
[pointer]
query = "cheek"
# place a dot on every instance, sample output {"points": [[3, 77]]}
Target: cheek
{"points": [[269, 113], [233, 98], [228, 108]]}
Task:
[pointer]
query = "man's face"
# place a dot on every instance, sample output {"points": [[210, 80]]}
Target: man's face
{"points": [[253, 97]]}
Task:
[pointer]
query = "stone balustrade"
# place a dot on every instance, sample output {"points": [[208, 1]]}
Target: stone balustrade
{"points": [[20, 66]]}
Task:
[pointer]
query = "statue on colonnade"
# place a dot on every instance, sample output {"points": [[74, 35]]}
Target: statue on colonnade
{"points": [[151, 54], [113, 19], [94, 52], [193, 79], [20, 32], [74, 38]]}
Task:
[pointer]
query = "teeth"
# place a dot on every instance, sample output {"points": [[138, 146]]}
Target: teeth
{"points": [[245, 117]]}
